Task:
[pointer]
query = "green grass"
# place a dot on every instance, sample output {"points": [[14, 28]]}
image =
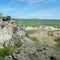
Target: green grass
{"points": [[37, 22], [57, 44], [32, 31], [7, 50]]}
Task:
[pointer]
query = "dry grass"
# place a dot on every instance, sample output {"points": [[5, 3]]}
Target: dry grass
{"points": [[43, 38]]}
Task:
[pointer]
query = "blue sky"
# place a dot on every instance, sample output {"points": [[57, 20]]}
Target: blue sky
{"points": [[42, 9]]}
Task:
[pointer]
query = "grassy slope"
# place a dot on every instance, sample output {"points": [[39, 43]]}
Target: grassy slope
{"points": [[36, 22]]}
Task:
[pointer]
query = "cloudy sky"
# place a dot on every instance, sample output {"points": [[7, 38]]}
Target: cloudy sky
{"points": [[43, 9]]}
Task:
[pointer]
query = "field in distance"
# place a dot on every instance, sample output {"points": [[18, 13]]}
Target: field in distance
{"points": [[37, 22]]}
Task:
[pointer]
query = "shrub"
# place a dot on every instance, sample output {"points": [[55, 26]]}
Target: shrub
{"points": [[2, 58], [2, 51], [57, 42], [8, 50]]}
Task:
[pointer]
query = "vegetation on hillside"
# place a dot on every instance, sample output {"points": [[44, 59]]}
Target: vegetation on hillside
{"points": [[37, 22], [6, 51], [57, 42]]}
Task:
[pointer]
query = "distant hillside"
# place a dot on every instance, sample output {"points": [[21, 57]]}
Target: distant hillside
{"points": [[38, 19], [37, 22]]}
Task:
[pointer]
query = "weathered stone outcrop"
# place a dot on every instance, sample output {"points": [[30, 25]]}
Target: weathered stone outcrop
{"points": [[8, 28]]}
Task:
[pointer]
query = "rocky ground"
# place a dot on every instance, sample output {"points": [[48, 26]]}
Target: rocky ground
{"points": [[33, 50], [33, 46]]}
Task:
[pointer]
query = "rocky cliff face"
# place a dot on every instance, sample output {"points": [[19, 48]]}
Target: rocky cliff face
{"points": [[8, 28]]}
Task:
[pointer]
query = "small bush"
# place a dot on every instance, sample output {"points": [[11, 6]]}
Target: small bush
{"points": [[57, 42], [2, 58], [2, 51], [8, 50]]}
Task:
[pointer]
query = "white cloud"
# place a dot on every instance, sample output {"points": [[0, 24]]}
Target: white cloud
{"points": [[30, 4]]}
